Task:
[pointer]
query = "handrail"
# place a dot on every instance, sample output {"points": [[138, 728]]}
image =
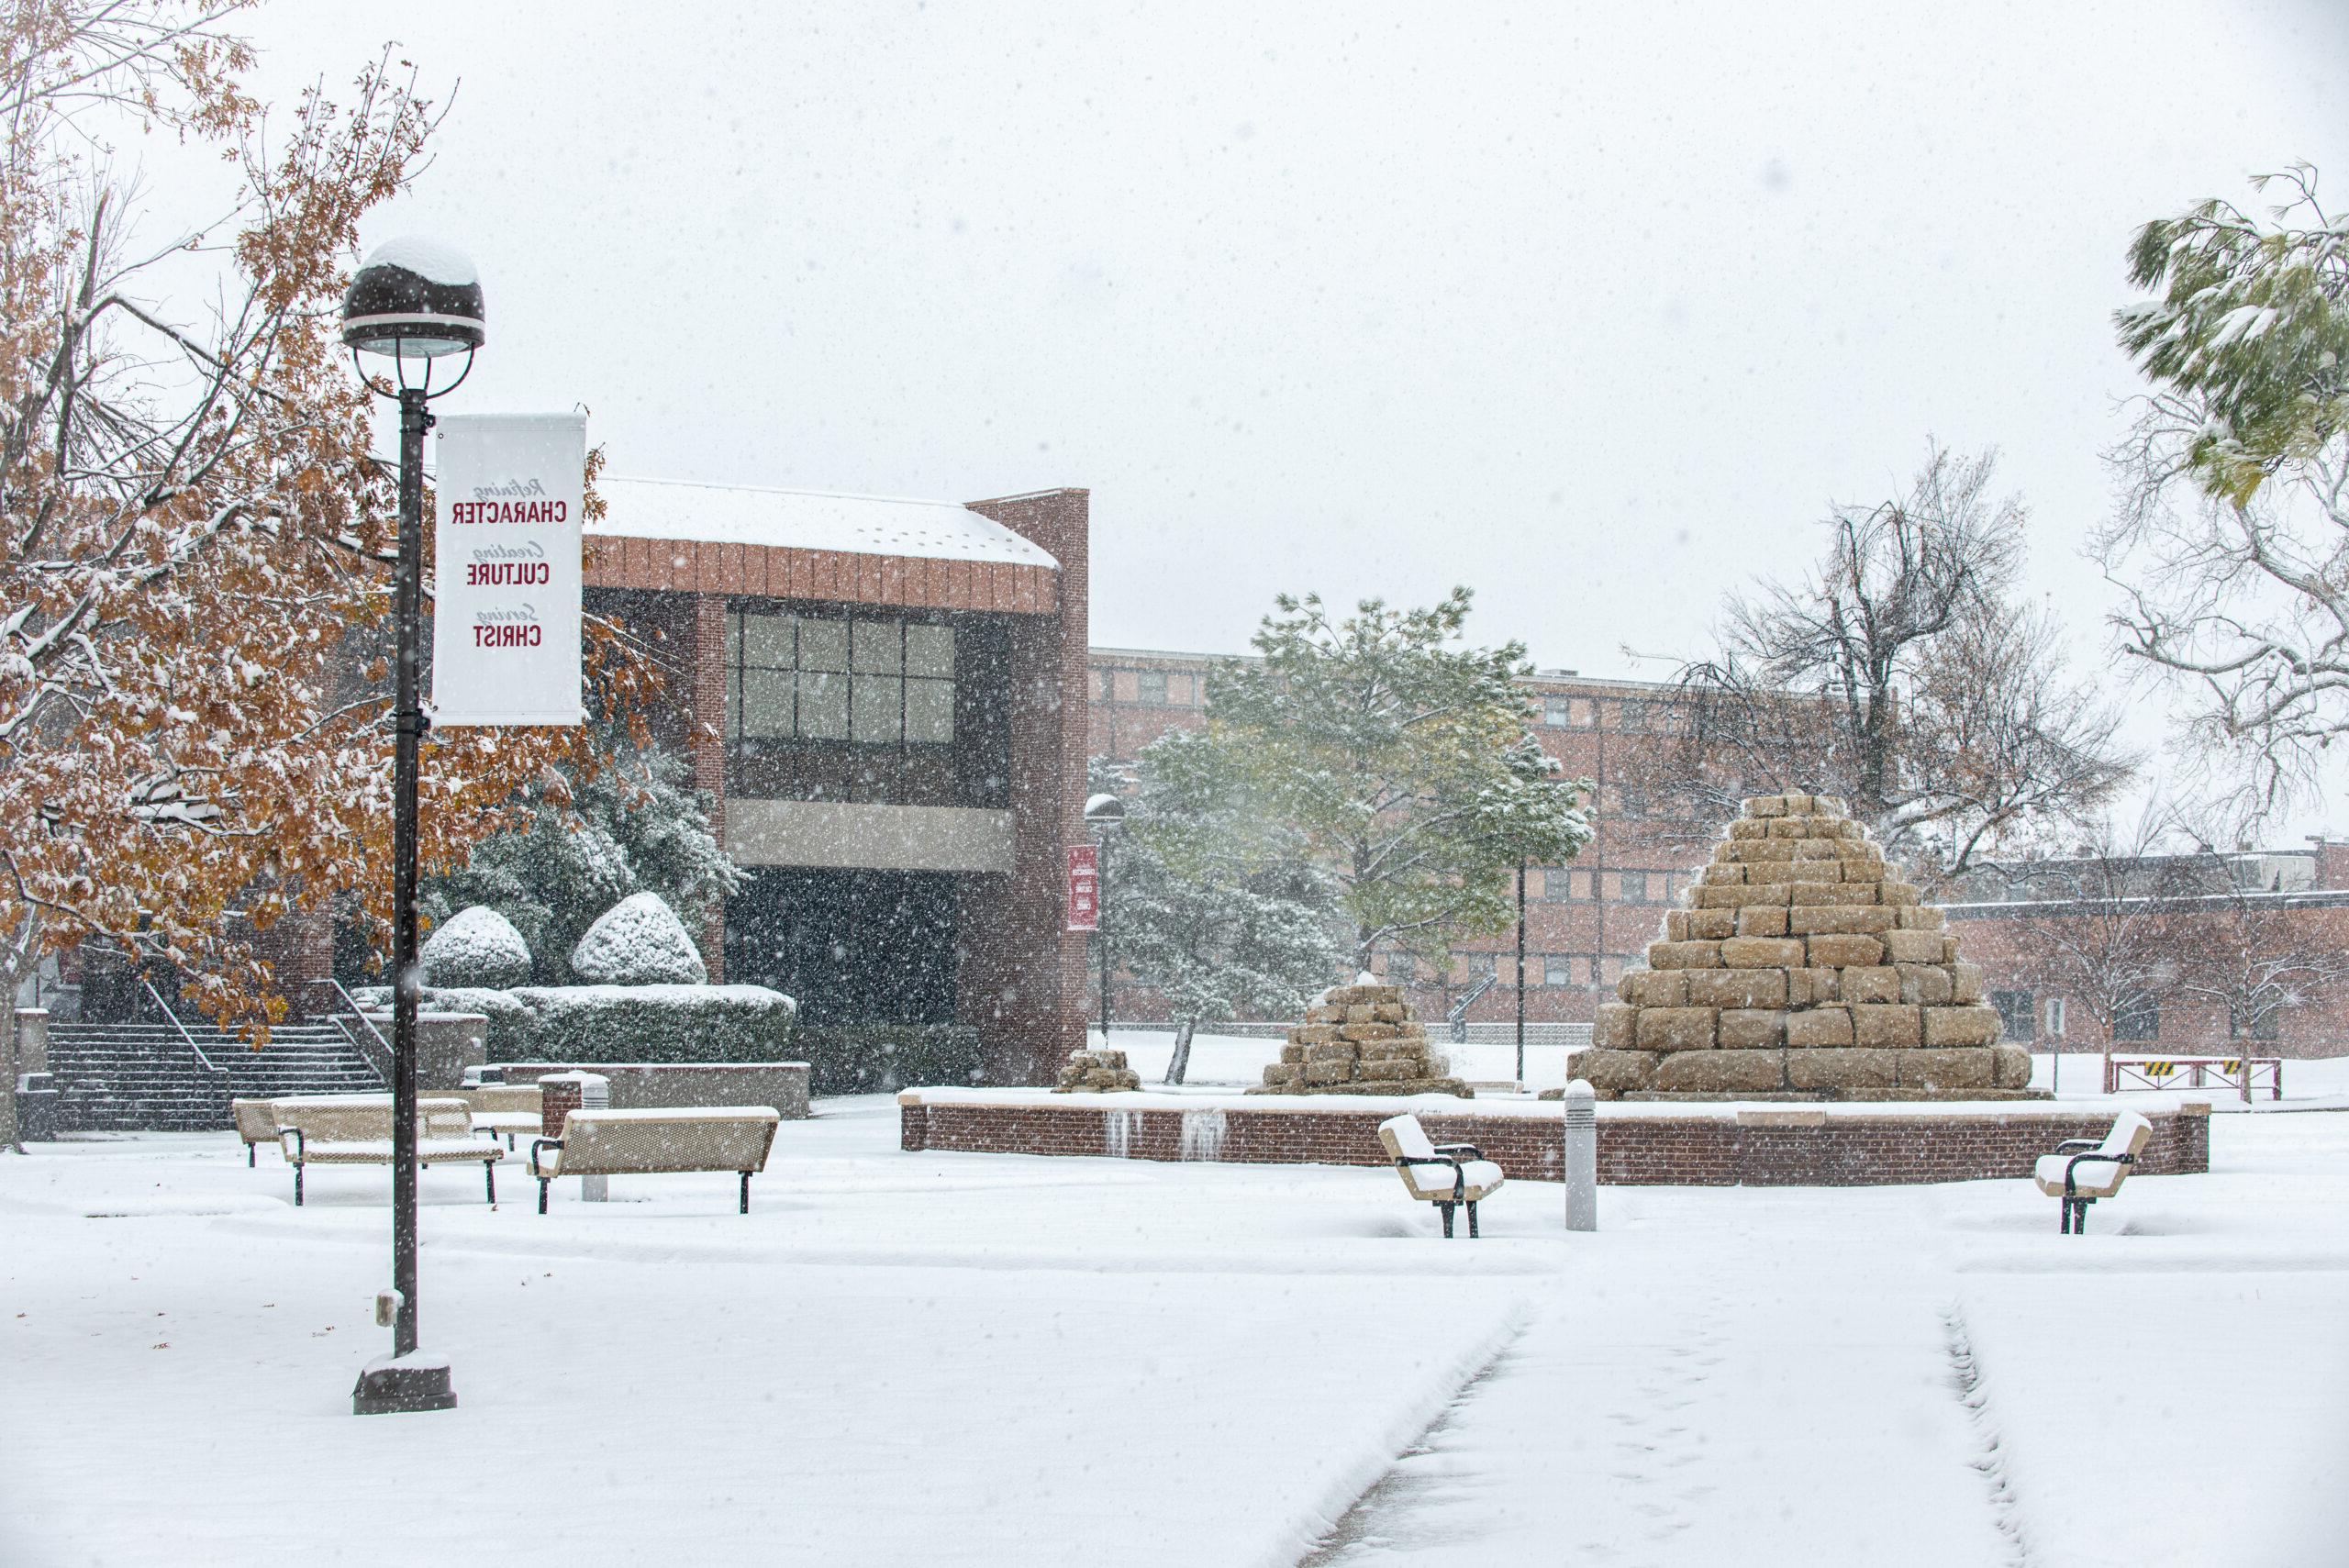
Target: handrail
{"points": [[157, 997], [357, 1011]]}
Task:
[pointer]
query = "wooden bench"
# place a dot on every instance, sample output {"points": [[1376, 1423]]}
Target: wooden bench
{"points": [[648, 1142], [1449, 1175], [356, 1129], [2082, 1170]]}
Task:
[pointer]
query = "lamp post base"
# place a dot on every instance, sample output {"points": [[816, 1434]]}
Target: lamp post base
{"points": [[396, 1384]]}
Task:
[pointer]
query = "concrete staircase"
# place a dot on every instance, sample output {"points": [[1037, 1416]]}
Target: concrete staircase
{"points": [[141, 1077]]}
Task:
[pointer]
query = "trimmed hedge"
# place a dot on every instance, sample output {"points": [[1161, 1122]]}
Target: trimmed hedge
{"points": [[871, 1059], [629, 1023]]}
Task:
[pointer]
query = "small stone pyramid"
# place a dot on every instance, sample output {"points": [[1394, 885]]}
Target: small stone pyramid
{"points": [[1804, 969], [1361, 1040], [1096, 1071]]}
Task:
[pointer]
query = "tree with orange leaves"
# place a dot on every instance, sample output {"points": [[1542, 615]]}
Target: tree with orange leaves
{"points": [[197, 531]]}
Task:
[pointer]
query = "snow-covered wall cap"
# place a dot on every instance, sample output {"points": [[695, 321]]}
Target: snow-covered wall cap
{"points": [[807, 520], [429, 259]]}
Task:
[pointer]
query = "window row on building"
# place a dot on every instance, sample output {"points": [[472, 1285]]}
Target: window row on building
{"points": [[1150, 688]]}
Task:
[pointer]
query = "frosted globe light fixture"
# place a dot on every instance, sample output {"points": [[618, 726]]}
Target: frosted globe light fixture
{"points": [[414, 296]]}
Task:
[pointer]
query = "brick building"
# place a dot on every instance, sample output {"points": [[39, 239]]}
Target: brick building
{"points": [[882, 695], [1584, 922]]}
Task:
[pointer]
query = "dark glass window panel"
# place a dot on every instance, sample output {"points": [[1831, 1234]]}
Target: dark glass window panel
{"points": [[823, 644], [878, 712], [1149, 686], [876, 647], [823, 706], [767, 703], [766, 642], [930, 711], [930, 651]]}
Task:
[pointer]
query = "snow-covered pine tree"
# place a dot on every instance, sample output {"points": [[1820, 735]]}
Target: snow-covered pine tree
{"points": [[1213, 904], [1406, 762]]}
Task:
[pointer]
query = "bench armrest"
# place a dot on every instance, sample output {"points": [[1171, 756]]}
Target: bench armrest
{"points": [[2078, 1160], [539, 1143], [1469, 1150], [297, 1133], [2071, 1144], [1443, 1156]]}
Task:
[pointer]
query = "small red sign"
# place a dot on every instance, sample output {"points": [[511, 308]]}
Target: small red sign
{"points": [[1084, 887]]}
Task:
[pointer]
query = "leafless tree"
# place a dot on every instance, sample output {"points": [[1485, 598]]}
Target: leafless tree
{"points": [[1898, 676]]}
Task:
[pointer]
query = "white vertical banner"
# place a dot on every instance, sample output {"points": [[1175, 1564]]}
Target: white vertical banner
{"points": [[506, 569]]}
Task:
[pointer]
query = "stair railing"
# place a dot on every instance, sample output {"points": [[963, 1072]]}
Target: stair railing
{"points": [[186, 1039], [352, 1003]]}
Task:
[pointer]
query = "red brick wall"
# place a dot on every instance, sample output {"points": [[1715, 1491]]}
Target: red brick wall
{"points": [[1707, 1151], [1023, 978]]}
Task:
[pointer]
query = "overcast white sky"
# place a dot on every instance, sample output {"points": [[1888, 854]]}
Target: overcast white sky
{"points": [[1593, 308]]}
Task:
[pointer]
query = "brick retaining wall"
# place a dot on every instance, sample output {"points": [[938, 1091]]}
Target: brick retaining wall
{"points": [[1728, 1148]]}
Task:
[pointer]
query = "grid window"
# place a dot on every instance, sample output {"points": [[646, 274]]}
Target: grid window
{"points": [[1149, 686], [1558, 969], [2017, 1014], [1558, 711], [867, 679]]}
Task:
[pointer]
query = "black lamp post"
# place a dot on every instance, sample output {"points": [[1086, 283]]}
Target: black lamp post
{"points": [[414, 301], [1104, 814]]}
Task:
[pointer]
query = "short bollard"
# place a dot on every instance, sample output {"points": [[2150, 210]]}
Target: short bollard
{"points": [[595, 1094], [1582, 1157]]}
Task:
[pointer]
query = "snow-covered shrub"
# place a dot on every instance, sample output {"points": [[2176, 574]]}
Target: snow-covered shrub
{"points": [[638, 941], [630, 1023], [476, 946], [868, 1058]]}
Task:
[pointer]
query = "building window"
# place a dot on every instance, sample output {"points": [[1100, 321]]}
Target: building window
{"points": [[1480, 963], [2138, 1020], [1149, 686], [1560, 969], [2017, 1014], [863, 680], [1557, 711]]}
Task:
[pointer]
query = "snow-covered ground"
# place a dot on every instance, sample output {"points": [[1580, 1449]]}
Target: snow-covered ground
{"points": [[976, 1359], [1222, 1061]]}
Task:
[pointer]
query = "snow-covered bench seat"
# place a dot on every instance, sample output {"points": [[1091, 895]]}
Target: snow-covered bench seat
{"points": [[1449, 1175], [257, 1124], [648, 1142], [356, 1129], [2082, 1170], [505, 1109]]}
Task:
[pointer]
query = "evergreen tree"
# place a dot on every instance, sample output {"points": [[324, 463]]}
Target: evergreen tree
{"points": [[634, 825], [1405, 764], [1215, 905]]}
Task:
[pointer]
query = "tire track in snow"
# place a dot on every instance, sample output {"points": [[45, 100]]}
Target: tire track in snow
{"points": [[1973, 1392]]}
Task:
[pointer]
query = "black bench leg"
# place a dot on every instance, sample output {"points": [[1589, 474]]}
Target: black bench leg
{"points": [[1472, 1222], [297, 1184], [2065, 1227], [253, 1155], [489, 1169], [543, 1194], [1447, 1219], [746, 1193], [2080, 1218]]}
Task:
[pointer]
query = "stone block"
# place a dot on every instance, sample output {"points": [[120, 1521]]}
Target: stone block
{"points": [[1822, 919], [1900, 892], [1925, 984], [1395, 1051], [1818, 1028], [1788, 827], [1676, 1028], [1766, 805], [1328, 1072], [1675, 925], [1412, 1031], [1762, 920], [1336, 1051], [1363, 1034], [1853, 1069], [1812, 893], [1283, 1073], [2010, 1067], [1797, 802], [1616, 1027], [1922, 917], [1358, 1012], [1811, 987], [1845, 950], [1945, 1072], [1949, 947], [1751, 1029], [1613, 1070], [1914, 947], [1755, 853], [1878, 984], [1889, 1026], [1744, 829], [1846, 893], [1293, 1054], [1723, 1072], [1365, 995], [1760, 952], [1313, 1034], [1743, 987], [1965, 983], [1738, 897], [1830, 805], [1389, 1012], [1721, 875], [1812, 852], [1398, 1067], [1710, 925], [1684, 955], [1961, 1026], [1656, 987]]}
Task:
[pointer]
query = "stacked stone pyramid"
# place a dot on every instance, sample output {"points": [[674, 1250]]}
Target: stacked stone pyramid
{"points": [[1095, 1071], [1805, 970], [1361, 1040]]}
